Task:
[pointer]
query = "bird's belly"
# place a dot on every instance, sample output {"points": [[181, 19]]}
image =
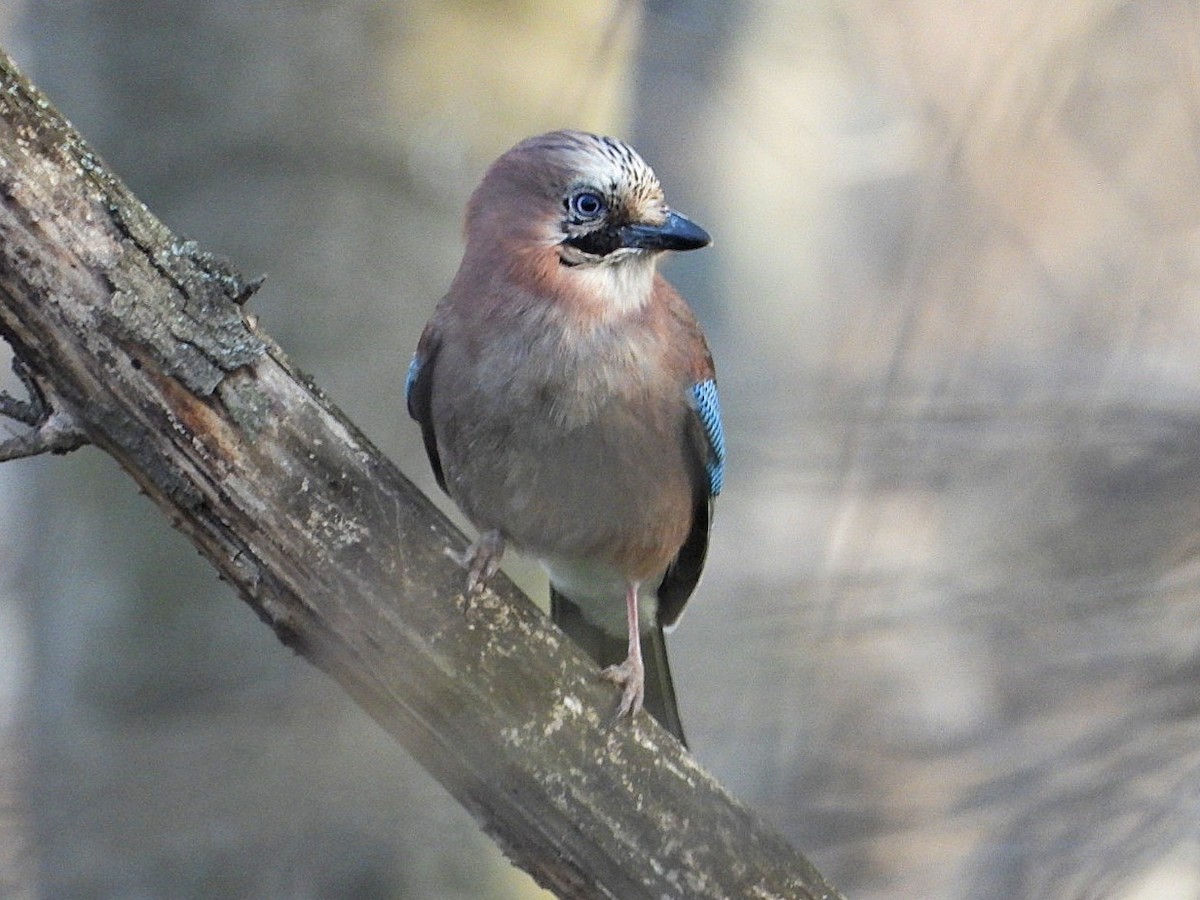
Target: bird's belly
{"points": [[599, 591], [614, 493]]}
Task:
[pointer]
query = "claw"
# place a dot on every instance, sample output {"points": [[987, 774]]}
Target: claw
{"points": [[631, 676], [481, 560]]}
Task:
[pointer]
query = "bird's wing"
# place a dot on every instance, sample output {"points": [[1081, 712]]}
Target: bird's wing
{"points": [[705, 436], [418, 391]]}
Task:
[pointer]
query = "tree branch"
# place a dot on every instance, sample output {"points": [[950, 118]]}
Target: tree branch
{"points": [[57, 434], [141, 347], [54, 430]]}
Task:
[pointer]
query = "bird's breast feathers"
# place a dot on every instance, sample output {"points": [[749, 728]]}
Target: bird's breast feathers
{"points": [[568, 441], [567, 368]]}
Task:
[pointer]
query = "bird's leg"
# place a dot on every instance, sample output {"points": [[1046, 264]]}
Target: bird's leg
{"points": [[481, 560], [631, 674]]}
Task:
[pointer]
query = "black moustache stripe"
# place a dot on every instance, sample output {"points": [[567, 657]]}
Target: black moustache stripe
{"points": [[597, 243]]}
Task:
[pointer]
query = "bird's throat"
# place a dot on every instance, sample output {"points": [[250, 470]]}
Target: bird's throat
{"points": [[613, 289]]}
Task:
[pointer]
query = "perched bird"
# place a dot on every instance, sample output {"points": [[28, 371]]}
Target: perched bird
{"points": [[568, 404]]}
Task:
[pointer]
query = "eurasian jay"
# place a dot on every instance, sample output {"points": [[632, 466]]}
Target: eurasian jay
{"points": [[567, 400]]}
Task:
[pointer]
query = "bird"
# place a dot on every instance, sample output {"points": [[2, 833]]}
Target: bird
{"points": [[568, 403]]}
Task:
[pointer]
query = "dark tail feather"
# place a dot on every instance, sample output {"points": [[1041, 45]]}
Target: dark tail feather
{"points": [[610, 649]]}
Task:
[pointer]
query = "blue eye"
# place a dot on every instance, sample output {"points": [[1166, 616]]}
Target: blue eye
{"points": [[587, 205]]}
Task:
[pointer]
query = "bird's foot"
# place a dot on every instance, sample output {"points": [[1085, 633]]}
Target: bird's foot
{"points": [[481, 560], [631, 676]]}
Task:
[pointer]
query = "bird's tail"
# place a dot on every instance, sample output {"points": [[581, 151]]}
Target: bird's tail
{"points": [[610, 649]]}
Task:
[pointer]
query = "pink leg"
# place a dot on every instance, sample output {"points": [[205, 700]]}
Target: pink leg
{"points": [[631, 674]]}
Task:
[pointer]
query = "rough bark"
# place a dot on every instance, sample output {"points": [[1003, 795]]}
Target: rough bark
{"points": [[137, 342]]}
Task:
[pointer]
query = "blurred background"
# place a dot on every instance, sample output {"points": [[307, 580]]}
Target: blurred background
{"points": [[949, 636]]}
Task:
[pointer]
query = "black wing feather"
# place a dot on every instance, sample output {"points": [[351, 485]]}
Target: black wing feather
{"points": [[419, 390], [704, 436], [684, 572]]}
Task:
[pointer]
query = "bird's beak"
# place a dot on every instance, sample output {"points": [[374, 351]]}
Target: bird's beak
{"points": [[675, 233]]}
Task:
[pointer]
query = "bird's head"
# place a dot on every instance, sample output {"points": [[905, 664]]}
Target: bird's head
{"points": [[586, 206]]}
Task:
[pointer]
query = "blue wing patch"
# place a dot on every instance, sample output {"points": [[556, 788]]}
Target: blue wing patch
{"points": [[414, 369], [708, 408]]}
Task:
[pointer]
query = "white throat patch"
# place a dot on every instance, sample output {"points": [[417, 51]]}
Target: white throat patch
{"points": [[622, 280]]}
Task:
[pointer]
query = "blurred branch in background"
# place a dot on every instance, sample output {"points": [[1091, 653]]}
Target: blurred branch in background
{"points": [[134, 338]]}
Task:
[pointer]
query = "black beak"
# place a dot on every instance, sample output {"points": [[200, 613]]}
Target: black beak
{"points": [[675, 233]]}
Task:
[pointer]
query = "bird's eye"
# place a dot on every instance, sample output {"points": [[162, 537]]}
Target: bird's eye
{"points": [[587, 205]]}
